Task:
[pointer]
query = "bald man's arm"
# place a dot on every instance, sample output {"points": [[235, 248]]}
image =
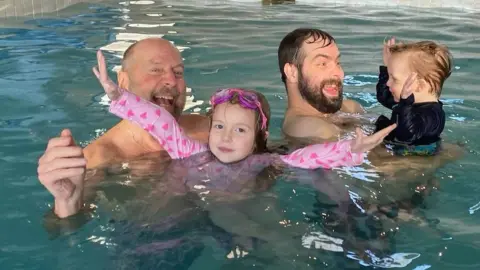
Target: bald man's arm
{"points": [[310, 127], [351, 106]]}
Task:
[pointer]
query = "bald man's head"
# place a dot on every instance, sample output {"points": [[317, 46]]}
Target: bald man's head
{"points": [[153, 69], [147, 44]]}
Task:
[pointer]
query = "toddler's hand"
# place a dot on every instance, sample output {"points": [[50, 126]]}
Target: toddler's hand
{"points": [[364, 143], [111, 89], [386, 50], [409, 86]]}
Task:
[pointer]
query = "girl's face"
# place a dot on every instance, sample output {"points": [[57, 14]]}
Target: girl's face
{"points": [[232, 134]]}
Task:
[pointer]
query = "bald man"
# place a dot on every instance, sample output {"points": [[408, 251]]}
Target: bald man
{"points": [[151, 68]]}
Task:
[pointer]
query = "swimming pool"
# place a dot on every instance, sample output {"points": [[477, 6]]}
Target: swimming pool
{"points": [[47, 85]]}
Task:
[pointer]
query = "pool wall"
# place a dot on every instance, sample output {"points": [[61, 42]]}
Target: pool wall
{"points": [[37, 8]]}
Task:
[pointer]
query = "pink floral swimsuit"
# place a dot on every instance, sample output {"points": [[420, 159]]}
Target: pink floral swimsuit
{"points": [[202, 168]]}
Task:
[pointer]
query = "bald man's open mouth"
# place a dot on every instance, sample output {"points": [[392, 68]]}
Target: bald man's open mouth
{"points": [[164, 101]]}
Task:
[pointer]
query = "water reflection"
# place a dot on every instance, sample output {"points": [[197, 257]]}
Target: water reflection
{"points": [[277, 2]]}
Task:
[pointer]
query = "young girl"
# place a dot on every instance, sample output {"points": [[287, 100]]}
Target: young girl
{"points": [[238, 135], [411, 88]]}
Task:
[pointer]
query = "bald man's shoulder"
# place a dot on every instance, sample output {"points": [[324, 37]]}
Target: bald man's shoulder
{"points": [[100, 152], [196, 126]]}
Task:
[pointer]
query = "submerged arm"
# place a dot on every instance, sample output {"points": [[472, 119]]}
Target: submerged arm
{"points": [[158, 122]]}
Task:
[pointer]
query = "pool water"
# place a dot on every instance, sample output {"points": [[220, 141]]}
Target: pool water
{"points": [[46, 85]]}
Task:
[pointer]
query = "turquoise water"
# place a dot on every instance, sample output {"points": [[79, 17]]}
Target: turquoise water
{"points": [[46, 84]]}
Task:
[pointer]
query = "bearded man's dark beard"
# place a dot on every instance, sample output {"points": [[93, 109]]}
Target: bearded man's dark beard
{"points": [[315, 97]]}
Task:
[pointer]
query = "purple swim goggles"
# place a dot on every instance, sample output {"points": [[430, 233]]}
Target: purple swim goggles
{"points": [[247, 100]]}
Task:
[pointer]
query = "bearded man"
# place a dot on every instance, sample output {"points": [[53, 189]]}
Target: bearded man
{"points": [[309, 61]]}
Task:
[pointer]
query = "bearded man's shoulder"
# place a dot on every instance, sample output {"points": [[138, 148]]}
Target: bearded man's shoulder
{"points": [[297, 125], [351, 106]]}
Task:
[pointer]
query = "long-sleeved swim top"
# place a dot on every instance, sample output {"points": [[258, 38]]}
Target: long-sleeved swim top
{"points": [[419, 125]]}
